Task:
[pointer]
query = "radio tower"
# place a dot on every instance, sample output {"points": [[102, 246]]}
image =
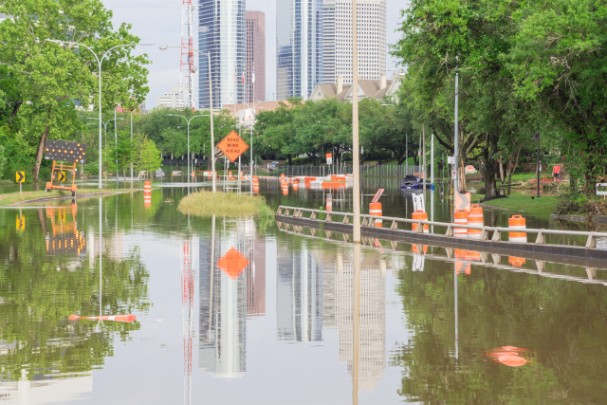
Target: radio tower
{"points": [[187, 68]]}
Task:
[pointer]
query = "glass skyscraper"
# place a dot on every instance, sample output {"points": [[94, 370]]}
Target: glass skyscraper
{"points": [[222, 35], [298, 47]]}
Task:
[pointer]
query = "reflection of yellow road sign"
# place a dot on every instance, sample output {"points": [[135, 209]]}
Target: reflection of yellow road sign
{"points": [[20, 177], [20, 223], [62, 177]]}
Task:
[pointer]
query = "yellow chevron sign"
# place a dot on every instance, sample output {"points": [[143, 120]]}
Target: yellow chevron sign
{"points": [[20, 177]]}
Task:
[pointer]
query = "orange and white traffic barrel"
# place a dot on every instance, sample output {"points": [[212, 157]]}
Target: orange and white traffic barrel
{"points": [[460, 217], [147, 193], [375, 211], [329, 203], [475, 219], [284, 186], [516, 261], [255, 184], [517, 224], [420, 216]]}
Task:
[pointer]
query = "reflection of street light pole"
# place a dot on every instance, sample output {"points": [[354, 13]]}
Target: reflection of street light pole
{"points": [[99, 63], [355, 146], [188, 122]]}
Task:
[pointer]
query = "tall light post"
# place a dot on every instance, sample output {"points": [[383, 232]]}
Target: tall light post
{"points": [[99, 65], [355, 143], [188, 125], [214, 183]]}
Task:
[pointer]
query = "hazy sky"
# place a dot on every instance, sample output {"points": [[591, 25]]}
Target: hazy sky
{"points": [[159, 22]]}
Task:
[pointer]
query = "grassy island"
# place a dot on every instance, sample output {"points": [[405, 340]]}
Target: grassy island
{"points": [[232, 205]]}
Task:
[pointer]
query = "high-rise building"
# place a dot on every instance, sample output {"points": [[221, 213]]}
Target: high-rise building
{"points": [[337, 40], [255, 72], [314, 43], [298, 47], [221, 36]]}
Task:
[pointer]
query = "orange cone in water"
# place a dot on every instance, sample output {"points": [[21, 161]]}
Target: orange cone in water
{"points": [[116, 318], [510, 356]]}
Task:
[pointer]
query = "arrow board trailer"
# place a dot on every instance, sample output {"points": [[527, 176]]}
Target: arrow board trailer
{"points": [[65, 156]]}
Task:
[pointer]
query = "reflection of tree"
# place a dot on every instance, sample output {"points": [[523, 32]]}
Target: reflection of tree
{"points": [[557, 321], [39, 292]]}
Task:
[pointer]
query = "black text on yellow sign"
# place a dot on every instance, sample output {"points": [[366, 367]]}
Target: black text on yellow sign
{"points": [[20, 223], [20, 177], [62, 177]]}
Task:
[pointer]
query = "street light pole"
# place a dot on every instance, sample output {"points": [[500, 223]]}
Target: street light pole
{"points": [[99, 65], [188, 121], [214, 183], [355, 141]]}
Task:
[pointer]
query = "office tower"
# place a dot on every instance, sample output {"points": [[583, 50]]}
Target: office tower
{"points": [[221, 36], [337, 40], [255, 72], [298, 47]]}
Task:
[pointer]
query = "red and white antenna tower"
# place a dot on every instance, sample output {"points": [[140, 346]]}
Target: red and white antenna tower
{"points": [[187, 304], [187, 67]]}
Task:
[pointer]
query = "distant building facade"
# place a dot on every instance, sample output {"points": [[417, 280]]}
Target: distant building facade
{"points": [[382, 89], [221, 36], [298, 47], [255, 71], [337, 40], [314, 43], [171, 99]]}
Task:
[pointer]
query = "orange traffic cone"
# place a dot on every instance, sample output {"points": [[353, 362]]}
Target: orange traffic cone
{"points": [[116, 318]]}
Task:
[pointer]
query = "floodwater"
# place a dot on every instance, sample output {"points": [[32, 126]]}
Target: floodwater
{"points": [[233, 312]]}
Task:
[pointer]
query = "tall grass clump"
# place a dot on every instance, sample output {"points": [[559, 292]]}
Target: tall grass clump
{"points": [[231, 205]]}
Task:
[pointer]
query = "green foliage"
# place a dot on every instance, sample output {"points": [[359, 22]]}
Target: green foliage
{"points": [[149, 158], [46, 81]]}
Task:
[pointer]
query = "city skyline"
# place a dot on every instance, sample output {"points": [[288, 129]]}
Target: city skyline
{"points": [[158, 22]]}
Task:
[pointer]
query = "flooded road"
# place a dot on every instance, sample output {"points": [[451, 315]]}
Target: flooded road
{"points": [[230, 312]]}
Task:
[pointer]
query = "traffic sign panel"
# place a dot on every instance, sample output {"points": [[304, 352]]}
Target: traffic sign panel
{"points": [[20, 177], [62, 177], [20, 223], [233, 263], [233, 146]]}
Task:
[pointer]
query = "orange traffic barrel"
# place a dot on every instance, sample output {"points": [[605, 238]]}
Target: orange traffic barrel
{"points": [[517, 224], [516, 261], [285, 188], [475, 219], [420, 216], [329, 203], [460, 218], [147, 193], [375, 211]]}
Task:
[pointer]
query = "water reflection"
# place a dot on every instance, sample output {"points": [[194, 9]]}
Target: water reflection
{"points": [[45, 276]]}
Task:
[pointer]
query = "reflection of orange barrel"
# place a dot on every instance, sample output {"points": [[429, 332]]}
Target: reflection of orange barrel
{"points": [[516, 261], [147, 193], [255, 184], [475, 219], [516, 223], [415, 248], [375, 211], [420, 216], [329, 203], [460, 218]]}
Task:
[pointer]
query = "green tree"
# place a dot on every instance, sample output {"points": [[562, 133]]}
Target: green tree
{"points": [[149, 158], [51, 79], [559, 62]]}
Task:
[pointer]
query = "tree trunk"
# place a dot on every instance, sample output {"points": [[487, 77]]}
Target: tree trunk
{"points": [[40, 153]]}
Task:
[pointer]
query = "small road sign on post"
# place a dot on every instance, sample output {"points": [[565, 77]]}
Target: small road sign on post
{"points": [[20, 178]]}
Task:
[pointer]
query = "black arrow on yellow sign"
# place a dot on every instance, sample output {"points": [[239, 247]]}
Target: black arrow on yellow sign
{"points": [[62, 177], [20, 177], [20, 223]]}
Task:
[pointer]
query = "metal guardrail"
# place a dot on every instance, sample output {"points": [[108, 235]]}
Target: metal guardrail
{"points": [[488, 233]]}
